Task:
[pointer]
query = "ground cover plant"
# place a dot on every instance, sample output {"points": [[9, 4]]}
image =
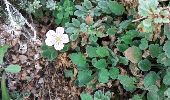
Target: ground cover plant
{"points": [[85, 49]]}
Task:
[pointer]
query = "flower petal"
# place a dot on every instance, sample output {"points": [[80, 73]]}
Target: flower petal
{"points": [[50, 33], [50, 41], [65, 38], [59, 30], [59, 46]]}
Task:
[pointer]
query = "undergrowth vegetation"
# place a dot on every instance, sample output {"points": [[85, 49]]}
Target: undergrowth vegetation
{"points": [[111, 42]]}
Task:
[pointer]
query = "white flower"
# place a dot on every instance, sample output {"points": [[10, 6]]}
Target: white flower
{"points": [[56, 38]]}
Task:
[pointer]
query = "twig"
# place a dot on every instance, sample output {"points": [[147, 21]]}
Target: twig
{"points": [[136, 20]]}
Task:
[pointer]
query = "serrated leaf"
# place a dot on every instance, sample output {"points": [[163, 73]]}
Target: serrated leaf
{"points": [[134, 54], [150, 79], [78, 59], [103, 76], [49, 52], [155, 50], [114, 72], [13, 68], [84, 77], [127, 38], [87, 4], [99, 95], [144, 44], [144, 65], [3, 50], [91, 51], [163, 59], [127, 82], [123, 60], [76, 22], [122, 47], [116, 8], [102, 51], [166, 79], [86, 96], [166, 48], [100, 64]]}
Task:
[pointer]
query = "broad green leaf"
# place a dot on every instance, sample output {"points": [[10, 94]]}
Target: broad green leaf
{"points": [[91, 51], [134, 54], [116, 8], [102, 51], [166, 48], [86, 96], [166, 79], [5, 93], [84, 77], [150, 79], [49, 52], [137, 97], [123, 60], [144, 65], [163, 59], [3, 50], [122, 47], [114, 72], [103, 76], [112, 31], [87, 4], [78, 59], [100, 64], [127, 38], [13, 68], [155, 50], [127, 82], [152, 96], [144, 44]]}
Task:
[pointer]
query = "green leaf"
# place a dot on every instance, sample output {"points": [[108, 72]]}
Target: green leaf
{"points": [[127, 82], [78, 59], [76, 22], [49, 52], [144, 65], [87, 4], [5, 93], [127, 38], [134, 54], [86, 96], [99, 95], [100, 64], [167, 93], [152, 96], [123, 60], [112, 31], [13, 68], [103, 76], [166, 48], [116, 8], [74, 37], [144, 44], [163, 59], [137, 97], [102, 51], [114, 72], [166, 79], [155, 50], [68, 73], [3, 50], [91, 51], [122, 47], [150, 79], [84, 77]]}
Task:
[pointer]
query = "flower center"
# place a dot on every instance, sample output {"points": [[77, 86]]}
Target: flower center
{"points": [[58, 38]]}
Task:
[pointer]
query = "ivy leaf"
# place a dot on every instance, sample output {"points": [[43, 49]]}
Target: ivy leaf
{"points": [[78, 59], [155, 50], [114, 72], [84, 77], [166, 48], [144, 65], [91, 51], [49, 52], [86, 96], [116, 8], [13, 68], [100, 64], [127, 82], [3, 50], [102, 51], [103, 76], [134, 54], [150, 79]]}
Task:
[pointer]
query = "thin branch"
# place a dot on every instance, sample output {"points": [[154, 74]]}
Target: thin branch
{"points": [[136, 20]]}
